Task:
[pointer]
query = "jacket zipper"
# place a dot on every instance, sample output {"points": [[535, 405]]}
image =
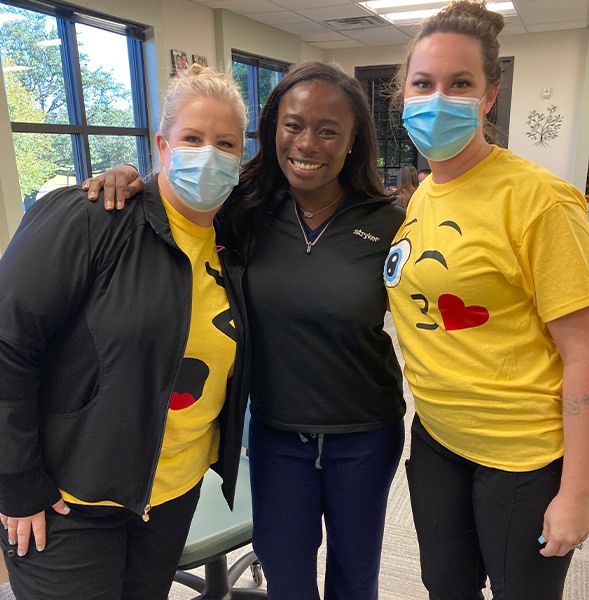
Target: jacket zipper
{"points": [[145, 516]]}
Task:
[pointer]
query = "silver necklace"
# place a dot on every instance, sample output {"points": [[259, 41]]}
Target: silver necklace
{"points": [[310, 244], [310, 215]]}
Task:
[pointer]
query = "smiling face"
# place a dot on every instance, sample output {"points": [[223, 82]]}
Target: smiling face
{"points": [[314, 134], [453, 64]]}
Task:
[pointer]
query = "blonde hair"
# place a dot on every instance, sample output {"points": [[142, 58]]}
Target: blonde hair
{"points": [[203, 82]]}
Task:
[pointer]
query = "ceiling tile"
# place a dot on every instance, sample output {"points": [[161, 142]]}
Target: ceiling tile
{"points": [[335, 12], [337, 45], [306, 18], [307, 27], [556, 26], [536, 6], [556, 16], [276, 18], [241, 6], [297, 5], [376, 32], [511, 29]]}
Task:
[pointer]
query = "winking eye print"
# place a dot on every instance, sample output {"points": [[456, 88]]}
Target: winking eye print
{"points": [[456, 315]]}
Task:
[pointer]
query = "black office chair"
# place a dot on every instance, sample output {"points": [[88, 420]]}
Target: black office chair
{"points": [[215, 531]]}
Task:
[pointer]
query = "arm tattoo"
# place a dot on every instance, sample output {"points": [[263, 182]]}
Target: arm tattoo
{"points": [[574, 406]]}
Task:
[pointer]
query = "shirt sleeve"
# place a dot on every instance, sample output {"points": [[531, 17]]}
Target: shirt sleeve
{"points": [[555, 255], [43, 275]]}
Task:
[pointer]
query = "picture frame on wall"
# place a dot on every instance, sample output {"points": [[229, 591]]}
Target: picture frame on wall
{"points": [[179, 61], [201, 60]]}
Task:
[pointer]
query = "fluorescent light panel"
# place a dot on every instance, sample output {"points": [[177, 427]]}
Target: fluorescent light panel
{"points": [[377, 5], [418, 15]]}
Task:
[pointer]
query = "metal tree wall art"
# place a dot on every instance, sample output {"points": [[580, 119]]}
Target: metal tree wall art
{"points": [[543, 127]]}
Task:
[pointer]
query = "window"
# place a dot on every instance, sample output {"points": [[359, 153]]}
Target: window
{"points": [[75, 89], [257, 77], [395, 148]]}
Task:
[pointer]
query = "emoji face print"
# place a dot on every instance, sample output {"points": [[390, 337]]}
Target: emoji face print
{"points": [[455, 314]]}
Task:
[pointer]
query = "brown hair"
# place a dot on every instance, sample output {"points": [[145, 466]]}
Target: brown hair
{"points": [[465, 17], [407, 183]]}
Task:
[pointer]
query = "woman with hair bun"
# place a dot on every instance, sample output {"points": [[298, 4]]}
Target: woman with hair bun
{"points": [[122, 352], [488, 283]]}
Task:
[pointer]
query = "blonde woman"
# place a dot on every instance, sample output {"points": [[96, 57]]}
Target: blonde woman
{"points": [[121, 358]]}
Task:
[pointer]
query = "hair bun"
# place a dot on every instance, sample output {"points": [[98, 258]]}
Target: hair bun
{"points": [[478, 11]]}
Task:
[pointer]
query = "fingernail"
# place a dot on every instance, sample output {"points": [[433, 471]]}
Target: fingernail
{"points": [[110, 205], [66, 509], [11, 542], [21, 552], [119, 205], [91, 195], [541, 539], [40, 548], [84, 186]]}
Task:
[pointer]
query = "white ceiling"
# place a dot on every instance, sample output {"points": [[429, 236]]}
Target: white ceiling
{"points": [[310, 19]]}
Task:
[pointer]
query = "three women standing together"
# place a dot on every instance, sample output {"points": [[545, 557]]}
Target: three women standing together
{"points": [[495, 334]]}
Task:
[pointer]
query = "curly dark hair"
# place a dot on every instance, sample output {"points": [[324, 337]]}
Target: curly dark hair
{"points": [[262, 180]]}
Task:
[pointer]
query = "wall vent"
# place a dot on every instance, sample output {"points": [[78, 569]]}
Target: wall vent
{"points": [[356, 23]]}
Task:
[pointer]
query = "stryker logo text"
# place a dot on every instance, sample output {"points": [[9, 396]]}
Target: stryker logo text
{"points": [[366, 236]]}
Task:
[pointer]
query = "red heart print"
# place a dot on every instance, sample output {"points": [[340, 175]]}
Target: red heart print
{"points": [[458, 316], [180, 401]]}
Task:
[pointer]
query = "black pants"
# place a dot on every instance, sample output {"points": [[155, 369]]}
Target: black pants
{"points": [[99, 553], [473, 522]]}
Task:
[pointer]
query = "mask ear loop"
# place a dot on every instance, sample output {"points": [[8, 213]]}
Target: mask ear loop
{"points": [[163, 166]]}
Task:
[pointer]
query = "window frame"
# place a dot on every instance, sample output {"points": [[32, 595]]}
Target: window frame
{"points": [[67, 16], [254, 63]]}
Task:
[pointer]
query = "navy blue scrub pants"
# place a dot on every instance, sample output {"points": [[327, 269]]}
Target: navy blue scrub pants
{"points": [[299, 478], [474, 521], [103, 553]]}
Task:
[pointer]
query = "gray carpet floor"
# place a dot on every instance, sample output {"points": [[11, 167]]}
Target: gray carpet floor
{"points": [[399, 573]]}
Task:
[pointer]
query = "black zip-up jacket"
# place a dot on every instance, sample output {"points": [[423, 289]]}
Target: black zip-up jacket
{"points": [[316, 315], [94, 315]]}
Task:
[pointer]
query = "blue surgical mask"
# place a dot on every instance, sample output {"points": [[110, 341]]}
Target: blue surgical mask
{"points": [[441, 126], [202, 178]]}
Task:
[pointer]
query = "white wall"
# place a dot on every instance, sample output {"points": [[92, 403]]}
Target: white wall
{"points": [[558, 60], [555, 60], [10, 212], [236, 32]]}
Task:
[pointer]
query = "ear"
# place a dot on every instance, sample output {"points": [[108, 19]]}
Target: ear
{"points": [[492, 93], [161, 146]]}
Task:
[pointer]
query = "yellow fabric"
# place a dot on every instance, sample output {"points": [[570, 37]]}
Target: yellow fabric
{"points": [[191, 437], [483, 262]]}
